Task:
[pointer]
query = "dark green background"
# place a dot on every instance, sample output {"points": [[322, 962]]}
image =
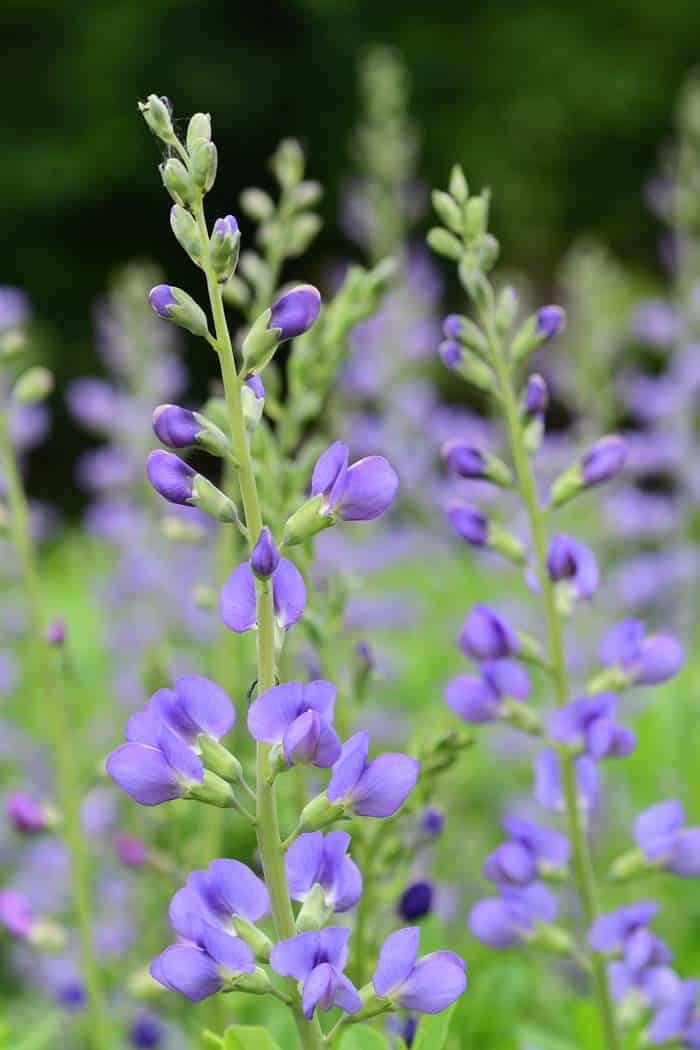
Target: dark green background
{"points": [[560, 107]]}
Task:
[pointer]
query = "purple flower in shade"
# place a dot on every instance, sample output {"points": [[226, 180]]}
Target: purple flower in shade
{"points": [[295, 311], [432, 822], [604, 460], [483, 699], [315, 860], [159, 762], [25, 814], [360, 492], [589, 723], [450, 353], [468, 522], [464, 459], [427, 985], [452, 326], [486, 635], [658, 984], [170, 476], [536, 396], [94, 403], [570, 560], [14, 308], [663, 838], [416, 901], [532, 851], [317, 960], [679, 1020], [201, 969], [548, 788], [162, 300], [511, 918], [613, 931], [176, 427], [146, 1031], [371, 789], [237, 600], [16, 914], [132, 852], [550, 320], [265, 557], [298, 719], [656, 323], [647, 660]]}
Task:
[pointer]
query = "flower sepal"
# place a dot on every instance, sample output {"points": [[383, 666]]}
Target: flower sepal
{"points": [[567, 486], [213, 501], [318, 813], [256, 983], [306, 522], [314, 912], [219, 759], [629, 866], [258, 942], [260, 344], [506, 544], [213, 791]]}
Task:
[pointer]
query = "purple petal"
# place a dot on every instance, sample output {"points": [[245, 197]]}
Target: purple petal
{"points": [[511, 862], [472, 699], [549, 846], [237, 890], [144, 726], [658, 823], [329, 747], [621, 644], [271, 714], [370, 488], [301, 739], [295, 311], [346, 996], [685, 859], [435, 982], [491, 922], [396, 959], [659, 658], [385, 785], [297, 956], [181, 757], [609, 931], [144, 774], [349, 767], [330, 465], [237, 600], [206, 705], [189, 971], [170, 476], [227, 950], [320, 695], [507, 678], [319, 990], [334, 945], [289, 593], [188, 909], [303, 862]]}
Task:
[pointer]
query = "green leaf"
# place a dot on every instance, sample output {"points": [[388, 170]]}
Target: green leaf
{"points": [[248, 1037], [362, 1037], [211, 1041], [433, 1031]]}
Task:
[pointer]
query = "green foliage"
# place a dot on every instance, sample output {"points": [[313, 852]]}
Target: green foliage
{"points": [[362, 1037], [433, 1031]]}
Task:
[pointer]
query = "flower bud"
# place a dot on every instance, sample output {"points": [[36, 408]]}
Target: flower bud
{"points": [[224, 247], [536, 396], [257, 204], [306, 522], [416, 901], [604, 460], [213, 791], [171, 477], [450, 353], [203, 165], [26, 815], [132, 852], [156, 111], [448, 210], [469, 523], [506, 309], [33, 386], [176, 427], [295, 311], [465, 331], [186, 231], [172, 304], [198, 130], [445, 243], [538, 329], [259, 943], [178, 182], [470, 462], [219, 759], [476, 216], [486, 636], [288, 163], [265, 557], [458, 185], [56, 632]]}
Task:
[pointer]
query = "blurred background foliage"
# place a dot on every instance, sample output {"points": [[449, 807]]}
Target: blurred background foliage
{"points": [[560, 107]]}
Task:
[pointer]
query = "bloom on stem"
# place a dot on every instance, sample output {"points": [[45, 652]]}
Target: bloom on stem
{"points": [[360, 492], [678, 1022], [548, 786], [298, 719], [511, 918], [176, 427], [666, 842], [317, 961], [550, 320], [532, 851], [201, 969], [574, 562], [295, 311], [427, 985], [237, 603], [416, 901], [172, 304], [25, 814], [604, 460], [644, 659], [225, 891], [468, 522], [486, 635], [171, 477], [371, 789], [265, 557], [589, 723], [315, 860], [484, 699]]}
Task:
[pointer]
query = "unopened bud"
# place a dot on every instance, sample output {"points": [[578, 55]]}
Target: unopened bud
{"points": [[156, 112], [33, 386]]}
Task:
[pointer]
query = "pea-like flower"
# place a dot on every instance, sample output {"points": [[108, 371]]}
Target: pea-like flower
{"points": [[645, 659], [360, 492], [416, 901], [298, 719], [427, 985], [511, 918], [317, 960], [468, 522], [171, 477], [589, 724], [604, 460], [570, 560], [371, 789], [202, 969], [315, 860], [665, 841], [548, 787], [550, 320], [295, 311], [484, 698], [486, 635], [225, 891], [26, 814], [532, 851], [678, 1022], [237, 603]]}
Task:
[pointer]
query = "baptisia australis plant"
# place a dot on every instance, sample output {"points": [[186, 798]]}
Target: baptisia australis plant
{"points": [[174, 747], [627, 964]]}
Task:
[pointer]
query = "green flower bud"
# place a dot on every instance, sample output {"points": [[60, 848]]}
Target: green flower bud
{"points": [[33, 385], [219, 759], [252, 406], [301, 232], [224, 247], [476, 216], [314, 913], [445, 243], [156, 112], [173, 304], [566, 486], [186, 232], [448, 210], [506, 309], [318, 813], [178, 182], [198, 130], [257, 941], [257, 204], [458, 185], [203, 165], [306, 194], [306, 522], [260, 344], [213, 791], [213, 501], [288, 163]]}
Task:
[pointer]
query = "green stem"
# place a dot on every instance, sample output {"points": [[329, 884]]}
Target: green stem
{"points": [[267, 829], [53, 702], [581, 855]]}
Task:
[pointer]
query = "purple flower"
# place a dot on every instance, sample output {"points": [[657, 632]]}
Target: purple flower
{"points": [[548, 788], [170, 476], [265, 557], [315, 860], [450, 353], [646, 660], [203, 969], [532, 851], [216, 896], [132, 852], [657, 984], [254, 382], [464, 459], [656, 323], [147, 1031], [468, 522], [416, 901], [679, 1021], [226, 227], [432, 822], [159, 762], [237, 599], [298, 719], [317, 960], [482, 699], [56, 632], [511, 918], [162, 300], [25, 814], [427, 985], [176, 427], [94, 403], [589, 723], [536, 396], [360, 492], [14, 308], [604, 460], [662, 836], [570, 560], [486, 635], [16, 914], [550, 320], [371, 789], [452, 326], [295, 311], [612, 931]]}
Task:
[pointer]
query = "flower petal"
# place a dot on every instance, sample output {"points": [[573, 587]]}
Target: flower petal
{"points": [[271, 714], [189, 971], [349, 767], [237, 600], [303, 862], [396, 959], [319, 990], [434, 983], [145, 774], [236, 890], [385, 785], [330, 465], [289, 593], [227, 950], [297, 956], [370, 488], [206, 704]]}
